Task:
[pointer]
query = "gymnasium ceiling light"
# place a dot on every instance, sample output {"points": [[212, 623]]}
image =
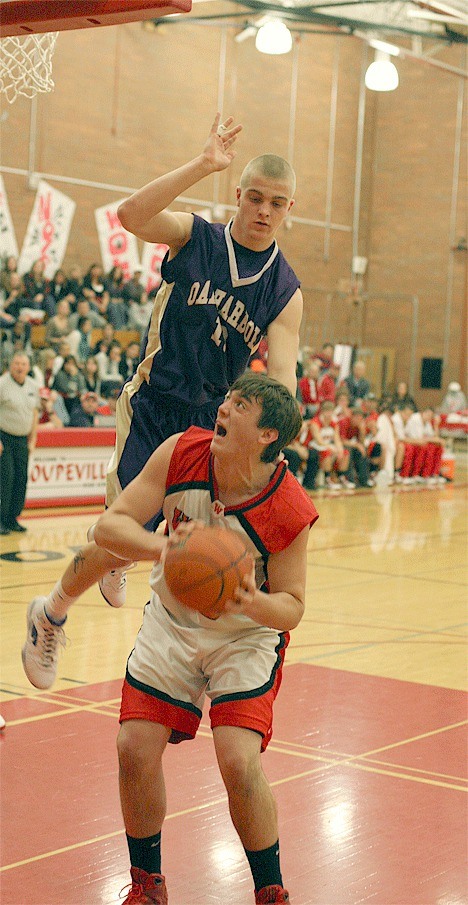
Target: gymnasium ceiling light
{"points": [[274, 38], [382, 74]]}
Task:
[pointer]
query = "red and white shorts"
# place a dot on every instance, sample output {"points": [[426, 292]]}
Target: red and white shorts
{"points": [[173, 667]]}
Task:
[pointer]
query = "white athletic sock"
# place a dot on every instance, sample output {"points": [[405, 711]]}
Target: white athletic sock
{"points": [[58, 603]]}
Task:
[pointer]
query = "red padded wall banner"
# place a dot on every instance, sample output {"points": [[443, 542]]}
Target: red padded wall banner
{"points": [[22, 17]]}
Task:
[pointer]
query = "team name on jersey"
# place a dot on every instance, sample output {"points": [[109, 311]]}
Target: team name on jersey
{"points": [[230, 310]]}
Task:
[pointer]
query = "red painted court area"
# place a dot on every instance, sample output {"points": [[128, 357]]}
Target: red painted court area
{"points": [[369, 774]]}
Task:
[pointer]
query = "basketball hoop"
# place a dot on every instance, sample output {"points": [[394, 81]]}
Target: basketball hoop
{"points": [[26, 64]]}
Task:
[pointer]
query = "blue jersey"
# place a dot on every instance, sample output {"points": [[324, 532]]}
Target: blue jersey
{"points": [[215, 303]]}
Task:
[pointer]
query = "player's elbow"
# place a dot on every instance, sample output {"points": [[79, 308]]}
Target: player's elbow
{"points": [[126, 215]]}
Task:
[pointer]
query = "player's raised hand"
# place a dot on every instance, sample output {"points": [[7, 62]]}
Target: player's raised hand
{"points": [[219, 150]]}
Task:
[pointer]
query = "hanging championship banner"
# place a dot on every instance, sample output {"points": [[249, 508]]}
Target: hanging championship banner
{"points": [[48, 230], [118, 247], [8, 245], [151, 261]]}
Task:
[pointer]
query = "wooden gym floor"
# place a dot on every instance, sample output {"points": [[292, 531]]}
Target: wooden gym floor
{"points": [[368, 759]]}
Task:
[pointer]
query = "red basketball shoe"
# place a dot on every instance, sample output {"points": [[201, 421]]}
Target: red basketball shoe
{"points": [[271, 895], [148, 889]]}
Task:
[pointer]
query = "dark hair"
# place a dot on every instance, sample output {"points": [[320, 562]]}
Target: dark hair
{"points": [[280, 410]]}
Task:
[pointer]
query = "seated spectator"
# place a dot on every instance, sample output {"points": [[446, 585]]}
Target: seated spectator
{"points": [[114, 282], [407, 447], [60, 356], [401, 397], [58, 327], [434, 448], [36, 286], [454, 399], [84, 309], [423, 448], [48, 418], [17, 340], [356, 383], [111, 378], [308, 387], [58, 286], [43, 367], [94, 289], [139, 314], [91, 375], [328, 384], [75, 282], [14, 299], [9, 266], [129, 361], [321, 434], [80, 340], [325, 357], [297, 456], [133, 289], [382, 432], [352, 431], [117, 313], [342, 409], [84, 411], [69, 382]]}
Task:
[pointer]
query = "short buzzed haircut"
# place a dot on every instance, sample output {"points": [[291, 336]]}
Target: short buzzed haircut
{"points": [[271, 166]]}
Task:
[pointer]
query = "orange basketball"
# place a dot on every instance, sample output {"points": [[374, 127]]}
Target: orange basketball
{"points": [[203, 569]]}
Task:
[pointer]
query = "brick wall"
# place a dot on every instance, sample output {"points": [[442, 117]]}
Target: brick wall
{"points": [[130, 104]]}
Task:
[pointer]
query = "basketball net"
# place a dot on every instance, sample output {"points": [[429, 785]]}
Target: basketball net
{"points": [[26, 65]]}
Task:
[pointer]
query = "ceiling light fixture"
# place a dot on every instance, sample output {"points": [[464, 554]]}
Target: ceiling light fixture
{"points": [[274, 38], [382, 74]]}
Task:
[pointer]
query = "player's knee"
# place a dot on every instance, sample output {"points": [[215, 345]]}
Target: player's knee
{"points": [[135, 746]]}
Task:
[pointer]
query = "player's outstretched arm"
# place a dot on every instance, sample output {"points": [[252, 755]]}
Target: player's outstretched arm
{"points": [[145, 214], [283, 343], [119, 529]]}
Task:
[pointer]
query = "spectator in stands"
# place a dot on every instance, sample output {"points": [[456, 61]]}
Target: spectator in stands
{"points": [[342, 409], [111, 378], [117, 313], [94, 288], [454, 399], [139, 314], [129, 361], [80, 340], [63, 351], [83, 309], [401, 397], [58, 286], [48, 418], [75, 282], [308, 387], [18, 340], [357, 384], [69, 382], [84, 411], [322, 434], [9, 266], [14, 298], [91, 375], [133, 289], [36, 286], [325, 356], [42, 367], [114, 282], [58, 327]]}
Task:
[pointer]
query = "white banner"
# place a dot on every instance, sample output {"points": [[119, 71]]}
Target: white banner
{"points": [[151, 261], [8, 244], [68, 471], [118, 247], [48, 230]]}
